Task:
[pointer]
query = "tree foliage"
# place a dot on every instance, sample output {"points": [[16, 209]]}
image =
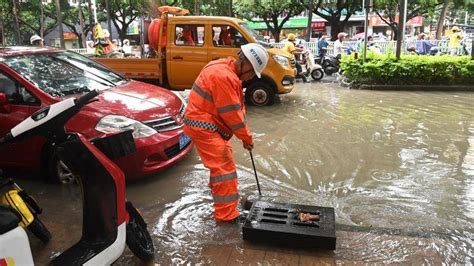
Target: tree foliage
{"points": [[273, 13], [333, 12], [387, 10]]}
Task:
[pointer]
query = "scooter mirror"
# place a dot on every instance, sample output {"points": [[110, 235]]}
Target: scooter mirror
{"points": [[4, 104]]}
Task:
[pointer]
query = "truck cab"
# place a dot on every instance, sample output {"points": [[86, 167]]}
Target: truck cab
{"points": [[188, 43]]}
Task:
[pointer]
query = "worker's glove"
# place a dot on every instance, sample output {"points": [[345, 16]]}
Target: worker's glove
{"points": [[248, 146]]}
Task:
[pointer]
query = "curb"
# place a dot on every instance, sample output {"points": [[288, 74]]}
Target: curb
{"points": [[418, 87]]}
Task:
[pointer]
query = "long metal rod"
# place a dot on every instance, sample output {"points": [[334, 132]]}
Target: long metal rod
{"points": [[255, 171]]}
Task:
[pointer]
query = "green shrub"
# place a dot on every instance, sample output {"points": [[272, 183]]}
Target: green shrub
{"points": [[409, 70]]}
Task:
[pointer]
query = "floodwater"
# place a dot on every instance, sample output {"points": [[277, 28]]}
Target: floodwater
{"points": [[395, 165]]}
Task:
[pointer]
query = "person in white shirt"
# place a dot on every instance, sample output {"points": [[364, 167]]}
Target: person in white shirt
{"points": [[126, 48], [338, 47]]}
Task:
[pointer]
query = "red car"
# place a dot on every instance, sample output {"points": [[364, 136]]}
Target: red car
{"points": [[31, 78]]}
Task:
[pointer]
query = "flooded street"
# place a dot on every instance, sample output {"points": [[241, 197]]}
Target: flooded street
{"points": [[397, 166]]}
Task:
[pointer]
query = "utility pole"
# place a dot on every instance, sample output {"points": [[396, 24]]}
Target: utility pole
{"points": [[60, 23], [367, 6], [197, 8], [310, 20], [231, 12], [401, 26]]}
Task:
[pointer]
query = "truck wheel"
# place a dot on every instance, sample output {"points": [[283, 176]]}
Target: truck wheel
{"points": [[39, 230], [317, 74], [59, 173], [138, 238], [260, 93]]}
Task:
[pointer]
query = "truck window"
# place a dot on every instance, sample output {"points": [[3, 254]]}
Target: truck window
{"points": [[227, 37], [189, 35]]}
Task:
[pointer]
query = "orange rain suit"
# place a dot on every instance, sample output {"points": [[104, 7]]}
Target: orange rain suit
{"points": [[214, 113]]}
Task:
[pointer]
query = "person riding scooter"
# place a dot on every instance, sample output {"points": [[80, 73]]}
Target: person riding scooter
{"points": [[292, 49]]}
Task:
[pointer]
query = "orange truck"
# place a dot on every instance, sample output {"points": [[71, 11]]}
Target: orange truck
{"points": [[183, 45]]}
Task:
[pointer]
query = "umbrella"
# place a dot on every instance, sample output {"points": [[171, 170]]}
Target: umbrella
{"points": [[358, 36]]}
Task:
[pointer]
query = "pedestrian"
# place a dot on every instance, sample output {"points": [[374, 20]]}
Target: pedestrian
{"points": [[214, 113], [90, 49], [322, 45], [454, 38], [36, 40], [338, 46]]}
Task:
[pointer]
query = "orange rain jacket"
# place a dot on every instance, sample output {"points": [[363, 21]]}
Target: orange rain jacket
{"points": [[217, 101]]}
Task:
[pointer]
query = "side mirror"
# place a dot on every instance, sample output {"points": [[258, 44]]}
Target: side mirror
{"points": [[4, 104]]}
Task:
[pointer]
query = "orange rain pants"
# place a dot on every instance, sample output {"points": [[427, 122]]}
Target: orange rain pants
{"points": [[216, 155]]}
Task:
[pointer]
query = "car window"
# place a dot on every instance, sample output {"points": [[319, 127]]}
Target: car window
{"points": [[227, 37], [64, 73], [189, 35], [16, 94]]}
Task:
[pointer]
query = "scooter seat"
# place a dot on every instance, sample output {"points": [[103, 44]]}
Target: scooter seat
{"points": [[9, 219]]}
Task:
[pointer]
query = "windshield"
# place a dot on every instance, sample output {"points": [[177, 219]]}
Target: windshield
{"points": [[259, 38], [64, 73]]}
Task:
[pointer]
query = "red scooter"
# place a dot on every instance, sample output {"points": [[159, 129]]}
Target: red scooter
{"points": [[109, 221]]}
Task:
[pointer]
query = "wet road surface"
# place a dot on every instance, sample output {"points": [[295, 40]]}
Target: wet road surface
{"points": [[398, 167]]}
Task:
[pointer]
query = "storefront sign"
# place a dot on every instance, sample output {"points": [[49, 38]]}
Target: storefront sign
{"points": [[378, 22], [294, 23], [70, 36], [318, 26]]}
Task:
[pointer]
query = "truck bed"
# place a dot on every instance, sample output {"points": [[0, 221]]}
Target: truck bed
{"points": [[134, 68]]}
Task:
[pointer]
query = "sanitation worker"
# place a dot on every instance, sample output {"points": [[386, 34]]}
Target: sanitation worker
{"points": [[216, 112]]}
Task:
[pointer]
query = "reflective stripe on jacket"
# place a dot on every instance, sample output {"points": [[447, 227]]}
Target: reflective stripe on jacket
{"points": [[217, 99]]}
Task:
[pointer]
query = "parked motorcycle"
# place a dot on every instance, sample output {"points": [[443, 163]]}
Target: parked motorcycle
{"points": [[329, 63], [109, 221], [26, 206]]}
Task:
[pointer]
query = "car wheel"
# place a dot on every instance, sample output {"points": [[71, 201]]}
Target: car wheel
{"points": [[260, 93], [59, 173], [317, 74]]}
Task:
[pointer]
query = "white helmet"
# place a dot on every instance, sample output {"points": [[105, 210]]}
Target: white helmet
{"points": [[257, 55], [35, 38]]}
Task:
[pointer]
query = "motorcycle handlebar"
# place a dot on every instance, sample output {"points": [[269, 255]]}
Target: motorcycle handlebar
{"points": [[86, 98]]}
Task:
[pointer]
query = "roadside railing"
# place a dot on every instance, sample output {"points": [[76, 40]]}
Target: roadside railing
{"points": [[387, 46], [384, 46]]}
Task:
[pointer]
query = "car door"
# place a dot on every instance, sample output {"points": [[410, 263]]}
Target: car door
{"points": [[21, 104], [226, 41], [186, 53]]}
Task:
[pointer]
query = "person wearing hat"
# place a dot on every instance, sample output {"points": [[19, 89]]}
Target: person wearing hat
{"points": [[36, 40], [215, 112], [454, 38], [338, 47], [291, 49]]}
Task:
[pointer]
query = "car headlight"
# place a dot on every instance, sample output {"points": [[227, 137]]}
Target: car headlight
{"points": [[118, 123], [282, 60]]}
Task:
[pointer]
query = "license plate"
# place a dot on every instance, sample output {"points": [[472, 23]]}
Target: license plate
{"points": [[183, 141]]}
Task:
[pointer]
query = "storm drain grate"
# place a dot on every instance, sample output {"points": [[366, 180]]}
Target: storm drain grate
{"points": [[279, 223]]}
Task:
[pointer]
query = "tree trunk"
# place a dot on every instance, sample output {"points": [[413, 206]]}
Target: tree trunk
{"points": [[81, 24], [17, 23], [109, 26], [91, 15], [230, 10], [60, 23], [442, 17], [197, 8], [42, 20]]}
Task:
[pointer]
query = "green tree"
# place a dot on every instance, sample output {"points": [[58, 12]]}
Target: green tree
{"points": [[70, 20], [123, 13], [387, 10], [333, 11], [457, 8], [273, 13]]}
